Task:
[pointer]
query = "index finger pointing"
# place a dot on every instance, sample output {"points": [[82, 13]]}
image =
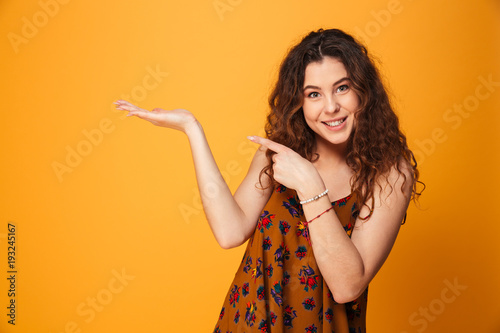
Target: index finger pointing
{"points": [[269, 144]]}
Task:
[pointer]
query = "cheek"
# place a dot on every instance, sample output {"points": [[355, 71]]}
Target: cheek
{"points": [[312, 110], [354, 122], [357, 102], [309, 114], [352, 103], [309, 123]]}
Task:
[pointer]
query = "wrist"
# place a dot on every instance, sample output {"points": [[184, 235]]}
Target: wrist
{"points": [[193, 127], [316, 197], [311, 191]]}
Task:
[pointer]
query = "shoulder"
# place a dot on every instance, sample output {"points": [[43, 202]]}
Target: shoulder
{"points": [[259, 162], [400, 177], [392, 190], [256, 182]]}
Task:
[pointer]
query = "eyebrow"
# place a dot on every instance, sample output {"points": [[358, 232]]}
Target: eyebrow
{"points": [[318, 88]]}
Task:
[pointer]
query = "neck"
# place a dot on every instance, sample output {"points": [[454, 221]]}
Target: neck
{"points": [[333, 168], [330, 154]]}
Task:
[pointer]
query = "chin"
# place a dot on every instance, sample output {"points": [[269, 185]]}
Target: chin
{"points": [[337, 139], [328, 140]]}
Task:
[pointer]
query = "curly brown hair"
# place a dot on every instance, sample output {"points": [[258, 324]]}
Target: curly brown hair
{"points": [[376, 144]]}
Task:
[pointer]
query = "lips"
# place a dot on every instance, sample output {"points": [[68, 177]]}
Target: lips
{"points": [[335, 123]]}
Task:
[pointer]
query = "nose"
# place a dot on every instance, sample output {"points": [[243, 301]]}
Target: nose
{"points": [[331, 104]]}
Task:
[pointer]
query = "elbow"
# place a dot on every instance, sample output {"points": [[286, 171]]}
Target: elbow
{"points": [[226, 245], [342, 299], [346, 295], [347, 288], [229, 242]]}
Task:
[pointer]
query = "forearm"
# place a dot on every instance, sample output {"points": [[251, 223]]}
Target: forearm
{"points": [[225, 217], [338, 259]]}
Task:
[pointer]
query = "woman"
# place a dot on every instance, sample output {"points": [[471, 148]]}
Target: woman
{"points": [[324, 196]]}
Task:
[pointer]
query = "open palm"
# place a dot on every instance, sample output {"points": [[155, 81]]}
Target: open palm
{"points": [[178, 119]]}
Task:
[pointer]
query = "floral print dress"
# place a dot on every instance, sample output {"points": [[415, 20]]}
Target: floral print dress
{"points": [[278, 286]]}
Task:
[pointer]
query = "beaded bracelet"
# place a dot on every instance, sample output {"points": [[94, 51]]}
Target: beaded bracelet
{"points": [[314, 198]]}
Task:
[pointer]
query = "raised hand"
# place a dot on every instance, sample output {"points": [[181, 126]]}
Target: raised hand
{"points": [[178, 119], [291, 169]]}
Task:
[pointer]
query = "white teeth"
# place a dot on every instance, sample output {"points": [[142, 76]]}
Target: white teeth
{"points": [[334, 123]]}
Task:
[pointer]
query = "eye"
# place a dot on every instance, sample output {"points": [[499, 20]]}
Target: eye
{"points": [[313, 95], [343, 88]]}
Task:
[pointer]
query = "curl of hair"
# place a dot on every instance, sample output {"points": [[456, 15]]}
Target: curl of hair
{"points": [[376, 144]]}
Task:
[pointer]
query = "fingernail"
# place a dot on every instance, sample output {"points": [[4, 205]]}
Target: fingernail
{"points": [[251, 138], [130, 114]]}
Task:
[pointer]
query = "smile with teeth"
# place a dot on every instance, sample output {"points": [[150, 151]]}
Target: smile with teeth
{"points": [[335, 123]]}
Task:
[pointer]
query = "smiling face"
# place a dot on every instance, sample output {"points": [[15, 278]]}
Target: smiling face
{"points": [[330, 103]]}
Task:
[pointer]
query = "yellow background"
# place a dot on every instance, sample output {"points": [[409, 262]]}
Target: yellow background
{"points": [[130, 206]]}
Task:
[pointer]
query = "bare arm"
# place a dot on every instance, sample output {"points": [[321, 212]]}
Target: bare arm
{"points": [[231, 218], [347, 264]]}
